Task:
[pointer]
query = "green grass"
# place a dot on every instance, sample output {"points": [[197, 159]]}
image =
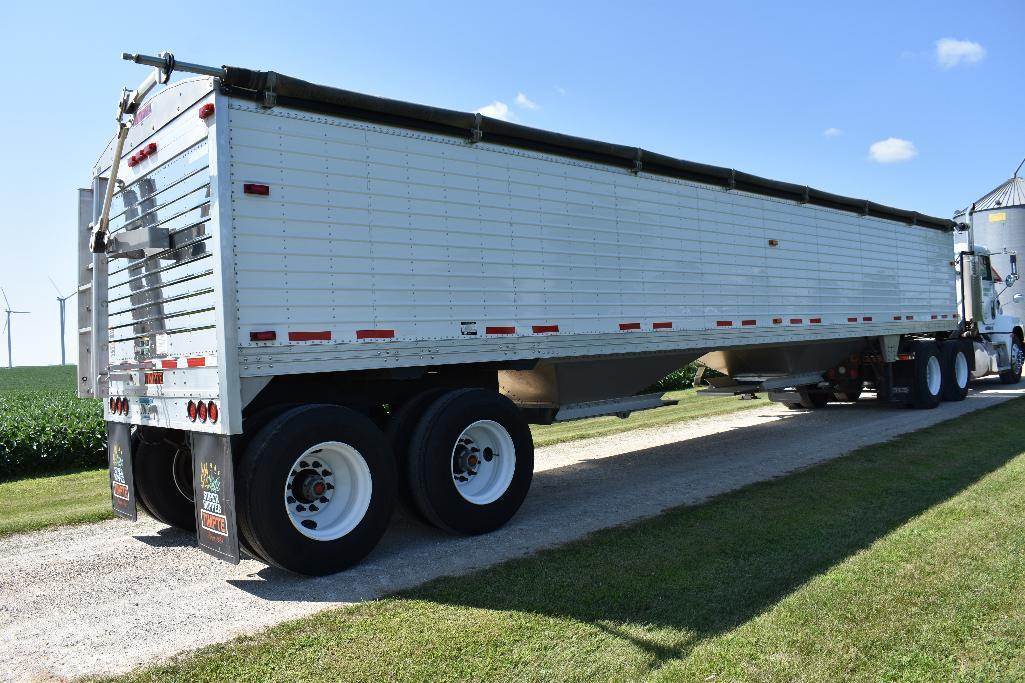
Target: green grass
{"points": [[29, 504], [904, 561], [692, 405]]}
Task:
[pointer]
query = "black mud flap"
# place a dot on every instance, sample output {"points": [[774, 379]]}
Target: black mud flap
{"points": [[119, 463], [214, 480]]}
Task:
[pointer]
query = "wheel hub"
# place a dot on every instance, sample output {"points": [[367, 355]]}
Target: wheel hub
{"points": [[483, 462], [328, 490]]}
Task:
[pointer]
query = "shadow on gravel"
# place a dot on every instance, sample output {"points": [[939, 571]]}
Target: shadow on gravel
{"points": [[169, 537], [707, 569]]}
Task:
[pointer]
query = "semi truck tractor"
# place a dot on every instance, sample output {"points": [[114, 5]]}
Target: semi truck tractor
{"points": [[302, 304]]}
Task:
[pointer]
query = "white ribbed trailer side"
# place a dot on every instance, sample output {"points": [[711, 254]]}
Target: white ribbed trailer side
{"points": [[395, 245], [342, 299]]}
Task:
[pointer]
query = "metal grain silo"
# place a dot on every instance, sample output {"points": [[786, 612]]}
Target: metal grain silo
{"points": [[1000, 224]]}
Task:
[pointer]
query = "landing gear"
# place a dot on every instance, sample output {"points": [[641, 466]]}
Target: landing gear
{"points": [[470, 461]]}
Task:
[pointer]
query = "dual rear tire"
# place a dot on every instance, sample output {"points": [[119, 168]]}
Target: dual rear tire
{"points": [[317, 485]]}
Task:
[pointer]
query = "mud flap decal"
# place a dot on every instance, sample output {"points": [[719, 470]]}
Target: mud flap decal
{"points": [[214, 482], [119, 464]]}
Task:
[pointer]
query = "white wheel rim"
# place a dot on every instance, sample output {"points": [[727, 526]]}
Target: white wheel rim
{"points": [[933, 375], [961, 370], [328, 490], [483, 462]]}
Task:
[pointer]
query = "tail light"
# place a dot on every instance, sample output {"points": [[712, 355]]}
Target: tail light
{"points": [[212, 411], [202, 411], [113, 404], [193, 411], [206, 111]]}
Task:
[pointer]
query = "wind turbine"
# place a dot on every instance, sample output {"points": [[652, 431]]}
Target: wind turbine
{"points": [[7, 326], [62, 300]]}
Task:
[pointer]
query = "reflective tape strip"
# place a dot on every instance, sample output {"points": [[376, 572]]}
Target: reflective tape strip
{"points": [[169, 363], [309, 336], [815, 321], [796, 321], [499, 330], [629, 326], [542, 329], [724, 323], [662, 326], [748, 323], [195, 362], [375, 334]]}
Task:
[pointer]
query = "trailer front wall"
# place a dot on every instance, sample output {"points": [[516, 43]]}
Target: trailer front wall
{"points": [[378, 246]]}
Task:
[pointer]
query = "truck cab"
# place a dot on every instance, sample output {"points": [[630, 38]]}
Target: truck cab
{"points": [[981, 291]]}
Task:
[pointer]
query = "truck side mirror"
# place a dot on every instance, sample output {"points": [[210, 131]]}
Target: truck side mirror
{"points": [[1010, 280], [1014, 265]]}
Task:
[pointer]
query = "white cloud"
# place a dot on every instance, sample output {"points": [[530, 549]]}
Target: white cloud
{"points": [[525, 102], [832, 132], [496, 110], [950, 52], [559, 89], [892, 150]]}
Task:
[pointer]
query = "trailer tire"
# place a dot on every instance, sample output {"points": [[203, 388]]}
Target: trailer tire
{"points": [[284, 479], [1013, 376], [466, 434], [849, 391], [957, 371], [163, 480], [926, 375], [400, 433]]}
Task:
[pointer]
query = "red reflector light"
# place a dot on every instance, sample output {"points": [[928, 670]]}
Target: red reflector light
{"points": [[256, 188], [212, 411], [263, 336], [132, 161], [192, 410], [201, 408], [206, 111], [151, 148]]}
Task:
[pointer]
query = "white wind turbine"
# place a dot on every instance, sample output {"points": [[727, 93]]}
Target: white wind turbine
{"points": [[7, 327], [61, 300]]}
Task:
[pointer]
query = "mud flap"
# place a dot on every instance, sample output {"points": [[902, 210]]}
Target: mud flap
{"points": [[119, 464], [213, 479]]}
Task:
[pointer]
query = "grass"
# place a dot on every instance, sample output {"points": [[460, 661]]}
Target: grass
{"points": [[904, 561], [40, 502], [84, 496]]}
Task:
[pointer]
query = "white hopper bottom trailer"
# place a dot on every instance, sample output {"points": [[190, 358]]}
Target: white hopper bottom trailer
{"points": [[302, 303]]}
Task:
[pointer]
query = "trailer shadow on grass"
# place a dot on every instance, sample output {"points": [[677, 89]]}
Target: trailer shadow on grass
{"points": [[696, 572]]}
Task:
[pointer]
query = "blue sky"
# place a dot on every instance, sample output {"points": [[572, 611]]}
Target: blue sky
{"points": [[750, 85]]}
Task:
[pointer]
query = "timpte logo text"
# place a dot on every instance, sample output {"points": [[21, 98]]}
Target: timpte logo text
{"points": [[211, 515], [118, 482]]}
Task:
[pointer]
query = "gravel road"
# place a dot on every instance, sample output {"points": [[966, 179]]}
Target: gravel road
{"points": [[62, 613]]}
